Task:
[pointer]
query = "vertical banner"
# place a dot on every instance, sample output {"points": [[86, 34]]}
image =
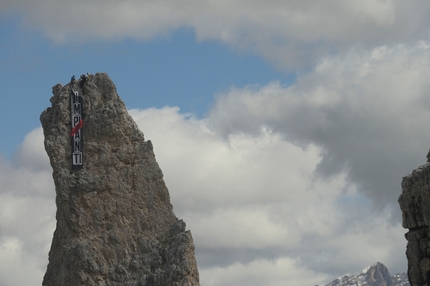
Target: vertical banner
{"points": [[76, 131]]}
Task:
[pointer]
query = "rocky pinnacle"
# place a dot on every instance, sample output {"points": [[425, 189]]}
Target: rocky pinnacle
{"points": [[415, 205], [115, 222]]}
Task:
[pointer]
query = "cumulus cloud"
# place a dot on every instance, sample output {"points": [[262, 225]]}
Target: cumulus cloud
{"points": [[367, 111], [31, 153], [283, 271], [254, 198], [27, 213], [291, 34], [12, 262], [307, 171]]}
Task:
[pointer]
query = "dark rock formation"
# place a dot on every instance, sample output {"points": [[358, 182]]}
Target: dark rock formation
{"points": [[375, 275], [115, 223], [415, 205]]}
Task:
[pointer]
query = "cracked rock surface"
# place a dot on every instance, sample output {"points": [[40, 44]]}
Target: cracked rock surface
{"points": [[115, 222], [415, 205]]}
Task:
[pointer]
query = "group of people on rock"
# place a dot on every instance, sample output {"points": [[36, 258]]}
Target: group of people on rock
{"points": [[83, 79]]}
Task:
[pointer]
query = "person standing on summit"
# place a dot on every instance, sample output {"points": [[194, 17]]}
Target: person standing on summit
{"points": [[83, 80]]}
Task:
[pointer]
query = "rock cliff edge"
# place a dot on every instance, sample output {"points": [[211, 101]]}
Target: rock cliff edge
{"points": [[115, 222], [415, 205]]}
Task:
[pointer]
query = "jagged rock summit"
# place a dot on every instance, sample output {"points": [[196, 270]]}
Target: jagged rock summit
{"points": [[115, 222], [415, 205], [375, 275]]}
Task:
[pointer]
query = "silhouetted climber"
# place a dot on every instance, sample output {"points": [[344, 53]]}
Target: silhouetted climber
{"points": [[428, 156], [83, 80], [73, 79]]}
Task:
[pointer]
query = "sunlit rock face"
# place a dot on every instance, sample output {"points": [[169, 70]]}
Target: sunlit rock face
{"points": [[115, 223], [415, 205]]}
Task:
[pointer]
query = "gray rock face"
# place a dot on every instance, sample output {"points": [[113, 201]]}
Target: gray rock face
{"points": [[375, 275], [115, 223], [415, 205]]}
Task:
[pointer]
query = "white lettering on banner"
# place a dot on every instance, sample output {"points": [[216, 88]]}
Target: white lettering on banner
{"points": [[77, 158], [76, 130], [76, 120], [76, 109]]}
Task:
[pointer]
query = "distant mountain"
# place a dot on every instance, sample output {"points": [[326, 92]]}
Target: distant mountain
{"points": [[375, 275]]}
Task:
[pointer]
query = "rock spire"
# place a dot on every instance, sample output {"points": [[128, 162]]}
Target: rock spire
{"points": [[115, 222], [415, 205]]}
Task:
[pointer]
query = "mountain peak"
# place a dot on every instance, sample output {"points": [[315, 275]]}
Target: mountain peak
{"points": [[374, 275]]}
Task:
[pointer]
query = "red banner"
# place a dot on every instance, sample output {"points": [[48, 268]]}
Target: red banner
{"points": [[77, 128]]}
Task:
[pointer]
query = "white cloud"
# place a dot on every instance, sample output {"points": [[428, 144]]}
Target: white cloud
{"points": [[242, 228], [31, 153], [367, 111], [255, 196], [14, 261], [27, 213], [291, 34], [316, 165], [277, 272]]}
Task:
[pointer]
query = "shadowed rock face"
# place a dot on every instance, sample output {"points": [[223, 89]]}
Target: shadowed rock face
{"points": [[115, 223], [415, 205]]}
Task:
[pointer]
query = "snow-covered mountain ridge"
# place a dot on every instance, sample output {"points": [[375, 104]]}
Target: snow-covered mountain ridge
{"points": [[375, 275]]}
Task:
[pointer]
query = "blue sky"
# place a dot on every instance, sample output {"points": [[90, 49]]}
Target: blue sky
{"points": [[283, 128], [170, 70]]}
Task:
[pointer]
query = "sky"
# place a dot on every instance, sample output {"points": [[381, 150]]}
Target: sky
{"points": [[283, 128]]}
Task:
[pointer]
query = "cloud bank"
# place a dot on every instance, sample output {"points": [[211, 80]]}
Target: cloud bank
{"points": [[306, 175], [290, 34], [367, 110], [27, 213]]}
